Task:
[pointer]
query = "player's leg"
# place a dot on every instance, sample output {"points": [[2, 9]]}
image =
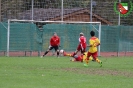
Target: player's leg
{"points": [[67, 54], [78, 49], [95, 57], [57, 50], [83, 51], [87, 58], [50, 48]]}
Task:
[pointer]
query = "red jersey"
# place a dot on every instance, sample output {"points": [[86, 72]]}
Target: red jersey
{"points": [[79, 58], [82, 42], [55, 41]]}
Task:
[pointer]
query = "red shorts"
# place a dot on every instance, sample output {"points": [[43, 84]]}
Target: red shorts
{"points": [[94, 55], [79, 48]]}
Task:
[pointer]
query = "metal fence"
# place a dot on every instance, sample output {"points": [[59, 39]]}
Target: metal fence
{"points": [[49, 9]]}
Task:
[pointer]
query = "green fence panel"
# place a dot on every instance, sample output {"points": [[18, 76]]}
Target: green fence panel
{"points": [[23, 37], [126, 38], [109, 38], [28, 37], [3, 37]]}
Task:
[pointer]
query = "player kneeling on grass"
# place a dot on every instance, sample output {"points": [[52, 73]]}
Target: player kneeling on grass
{"points": [[76, 57]]}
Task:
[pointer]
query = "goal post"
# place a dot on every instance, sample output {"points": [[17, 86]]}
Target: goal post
{"points": [[73, 29], [8, 37]]}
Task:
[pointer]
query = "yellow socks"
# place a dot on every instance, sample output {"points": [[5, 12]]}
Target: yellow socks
{"points": [[97, 60], [69, 55]]}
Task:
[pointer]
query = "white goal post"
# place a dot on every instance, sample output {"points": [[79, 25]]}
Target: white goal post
{"points": [[61, 22]]}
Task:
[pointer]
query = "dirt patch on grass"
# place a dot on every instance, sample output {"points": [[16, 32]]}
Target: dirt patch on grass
{"points": [[101, 72]]}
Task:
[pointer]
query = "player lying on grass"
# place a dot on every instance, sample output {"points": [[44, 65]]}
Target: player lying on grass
{"points": [[80, 58]]}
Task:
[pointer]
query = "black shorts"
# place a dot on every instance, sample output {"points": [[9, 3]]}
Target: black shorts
{"points": [[54, 47]]}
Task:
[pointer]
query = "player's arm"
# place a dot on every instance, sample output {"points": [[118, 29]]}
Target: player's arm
{"points": [[91, 43], [80, 42], [97, 42]]}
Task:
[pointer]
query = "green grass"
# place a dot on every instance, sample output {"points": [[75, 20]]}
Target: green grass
{"points": [[52, 72]]}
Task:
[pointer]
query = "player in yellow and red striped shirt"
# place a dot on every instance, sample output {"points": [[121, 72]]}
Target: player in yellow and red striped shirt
{"points": [[93, 43]]}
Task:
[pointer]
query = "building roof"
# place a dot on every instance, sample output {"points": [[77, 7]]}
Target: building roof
{"points": [[45, 14], [42, 14]]}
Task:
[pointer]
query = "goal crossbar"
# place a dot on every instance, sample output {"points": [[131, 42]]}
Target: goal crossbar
{"points": [[47, 21]]}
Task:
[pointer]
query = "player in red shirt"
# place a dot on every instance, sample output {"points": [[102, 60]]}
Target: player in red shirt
{"points": [[80, 58], [54, 43], [82, 44]]}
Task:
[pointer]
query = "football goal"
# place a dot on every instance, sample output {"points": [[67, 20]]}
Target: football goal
{"points": [[33, 36]]}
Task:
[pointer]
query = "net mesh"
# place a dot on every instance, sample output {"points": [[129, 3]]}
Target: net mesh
{"points": [[105, 10]]}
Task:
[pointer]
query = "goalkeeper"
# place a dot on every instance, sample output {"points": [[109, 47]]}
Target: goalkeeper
{"points": [[54, 44], [77, 57]]}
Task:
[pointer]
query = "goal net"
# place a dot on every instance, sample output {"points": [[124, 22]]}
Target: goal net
{"points": [[30, 36]]}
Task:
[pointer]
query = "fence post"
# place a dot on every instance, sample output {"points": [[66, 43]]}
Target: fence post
{"points": [[91, 12], [32, 18], [8, 37], [0, 10], [119, 19], [62, 10]]}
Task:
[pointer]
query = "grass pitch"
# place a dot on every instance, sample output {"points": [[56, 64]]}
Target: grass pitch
{"points": [[52, 72]]}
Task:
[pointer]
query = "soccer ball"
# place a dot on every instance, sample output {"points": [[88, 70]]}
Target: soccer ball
{"points": [[61, 51]]}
